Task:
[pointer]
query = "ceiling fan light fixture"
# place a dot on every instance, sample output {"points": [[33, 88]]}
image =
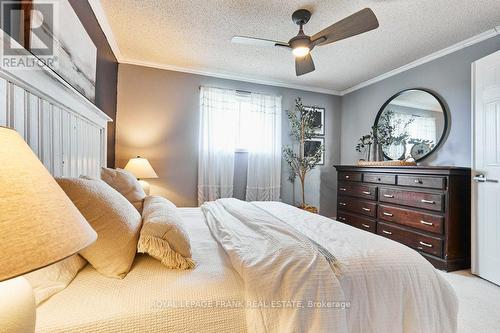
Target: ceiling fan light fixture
{"points": [[301, 51]]}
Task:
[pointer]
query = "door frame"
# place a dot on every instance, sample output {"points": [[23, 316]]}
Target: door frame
{"points": [[473, 206]]}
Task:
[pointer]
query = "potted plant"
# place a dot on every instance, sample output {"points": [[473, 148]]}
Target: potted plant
{"points": [[302, 128], [388, 131]]}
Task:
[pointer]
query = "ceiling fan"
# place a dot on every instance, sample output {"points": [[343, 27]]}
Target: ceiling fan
{"points": [[302, 44]]}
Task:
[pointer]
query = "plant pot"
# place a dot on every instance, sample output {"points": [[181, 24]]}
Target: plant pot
{"points": [[310, 209], [375, 153]]}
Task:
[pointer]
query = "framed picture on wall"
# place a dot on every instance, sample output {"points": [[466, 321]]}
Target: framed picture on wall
{"points": [[318, 119], [312, 145]]}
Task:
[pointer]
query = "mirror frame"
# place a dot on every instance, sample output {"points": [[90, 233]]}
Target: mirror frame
{"points": [[445, 114]]}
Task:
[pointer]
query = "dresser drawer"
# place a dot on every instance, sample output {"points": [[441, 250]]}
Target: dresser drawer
{"points": [[431, 201], [411, 218], [424, 243], [357, 221], [379, 178], [422, 181], [358, 190], [367, 208], [350, 176]]}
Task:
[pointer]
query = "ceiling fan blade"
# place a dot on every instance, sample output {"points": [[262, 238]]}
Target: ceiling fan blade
{"points": [[304, 65], [256, 41], [362, 21]]}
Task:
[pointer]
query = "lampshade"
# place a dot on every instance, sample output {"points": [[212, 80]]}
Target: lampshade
{"points": [[140, 168], [39, 224]]}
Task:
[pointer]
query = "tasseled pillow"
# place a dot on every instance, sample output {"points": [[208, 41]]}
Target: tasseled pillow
{"points": [[162, 235]]}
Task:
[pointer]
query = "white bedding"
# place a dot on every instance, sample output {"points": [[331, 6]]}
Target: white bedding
{"points": [[390, 288], [284, 275], [139, 302]]}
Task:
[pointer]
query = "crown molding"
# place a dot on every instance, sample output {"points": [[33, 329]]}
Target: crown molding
{"points": [[108, 32], [106, 27], [229, 76], [433, 56]]}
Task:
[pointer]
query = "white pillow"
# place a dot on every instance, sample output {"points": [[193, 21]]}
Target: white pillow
{"points": [[126, 184], [50, 280], [162, 235], [115, 220]]}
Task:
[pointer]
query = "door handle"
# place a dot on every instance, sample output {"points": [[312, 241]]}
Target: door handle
{"points": [[480, 178]]}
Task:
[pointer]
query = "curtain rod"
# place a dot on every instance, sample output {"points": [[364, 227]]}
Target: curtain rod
{"points": [[237, 90], [244, 91]]}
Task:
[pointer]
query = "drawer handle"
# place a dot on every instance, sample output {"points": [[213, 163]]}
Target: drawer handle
{"points": [[366, 209], [366, 226], [388, 214], [342, 189], [426, 223], [418, 181], [379, 179], [387, 232], [388, 196], [431, 202], [341, 218], [342, 204], [425, 244], [347, 177], [367, 193]]}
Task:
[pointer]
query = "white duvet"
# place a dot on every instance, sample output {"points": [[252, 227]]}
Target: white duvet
{"points": [[384, 286]]}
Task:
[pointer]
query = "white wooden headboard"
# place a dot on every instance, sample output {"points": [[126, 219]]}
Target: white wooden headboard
{"points": [[65, 130]]}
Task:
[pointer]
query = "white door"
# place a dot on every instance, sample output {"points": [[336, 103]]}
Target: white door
{"points": [[486, 168]]}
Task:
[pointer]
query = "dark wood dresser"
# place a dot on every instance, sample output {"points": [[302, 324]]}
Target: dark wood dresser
{"points": [[425, 208]]}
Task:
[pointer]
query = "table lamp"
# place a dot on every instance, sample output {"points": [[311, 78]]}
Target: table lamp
{"points": [[141, 168], [39, 225]]}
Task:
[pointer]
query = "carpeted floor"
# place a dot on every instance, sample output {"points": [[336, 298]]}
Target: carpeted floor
{"points": [[479, 309]]}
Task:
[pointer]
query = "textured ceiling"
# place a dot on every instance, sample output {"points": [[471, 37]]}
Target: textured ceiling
{"points": [[196, 35]]}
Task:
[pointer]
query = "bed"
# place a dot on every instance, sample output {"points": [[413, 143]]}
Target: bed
{"points": [[387, 287], [383, 286]]}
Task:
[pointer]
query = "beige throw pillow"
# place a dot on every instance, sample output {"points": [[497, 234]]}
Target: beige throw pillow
{"points": [[50, 280], [163, 236], [125, 183], [115, 220]]}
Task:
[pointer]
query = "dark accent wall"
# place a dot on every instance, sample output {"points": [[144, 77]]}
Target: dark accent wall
{"points": [[107, 70]]}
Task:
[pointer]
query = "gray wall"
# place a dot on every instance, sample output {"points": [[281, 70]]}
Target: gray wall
{"points": [[449, 77], [158, 119]]}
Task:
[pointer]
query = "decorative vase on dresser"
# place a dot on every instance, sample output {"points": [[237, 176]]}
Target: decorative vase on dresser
{"points": [[425, 208]]}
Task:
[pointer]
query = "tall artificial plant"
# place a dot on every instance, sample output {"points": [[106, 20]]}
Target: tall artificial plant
{"points": [[302, 128]]}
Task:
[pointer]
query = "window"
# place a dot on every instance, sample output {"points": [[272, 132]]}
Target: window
{"points": [[244, 123]]}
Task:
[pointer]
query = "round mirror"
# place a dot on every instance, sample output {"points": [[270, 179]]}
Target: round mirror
{"points": [[411, 123]]}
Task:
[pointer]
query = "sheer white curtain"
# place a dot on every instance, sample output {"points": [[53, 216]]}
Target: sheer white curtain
{"points": [[218, 126], [264, 150]]}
